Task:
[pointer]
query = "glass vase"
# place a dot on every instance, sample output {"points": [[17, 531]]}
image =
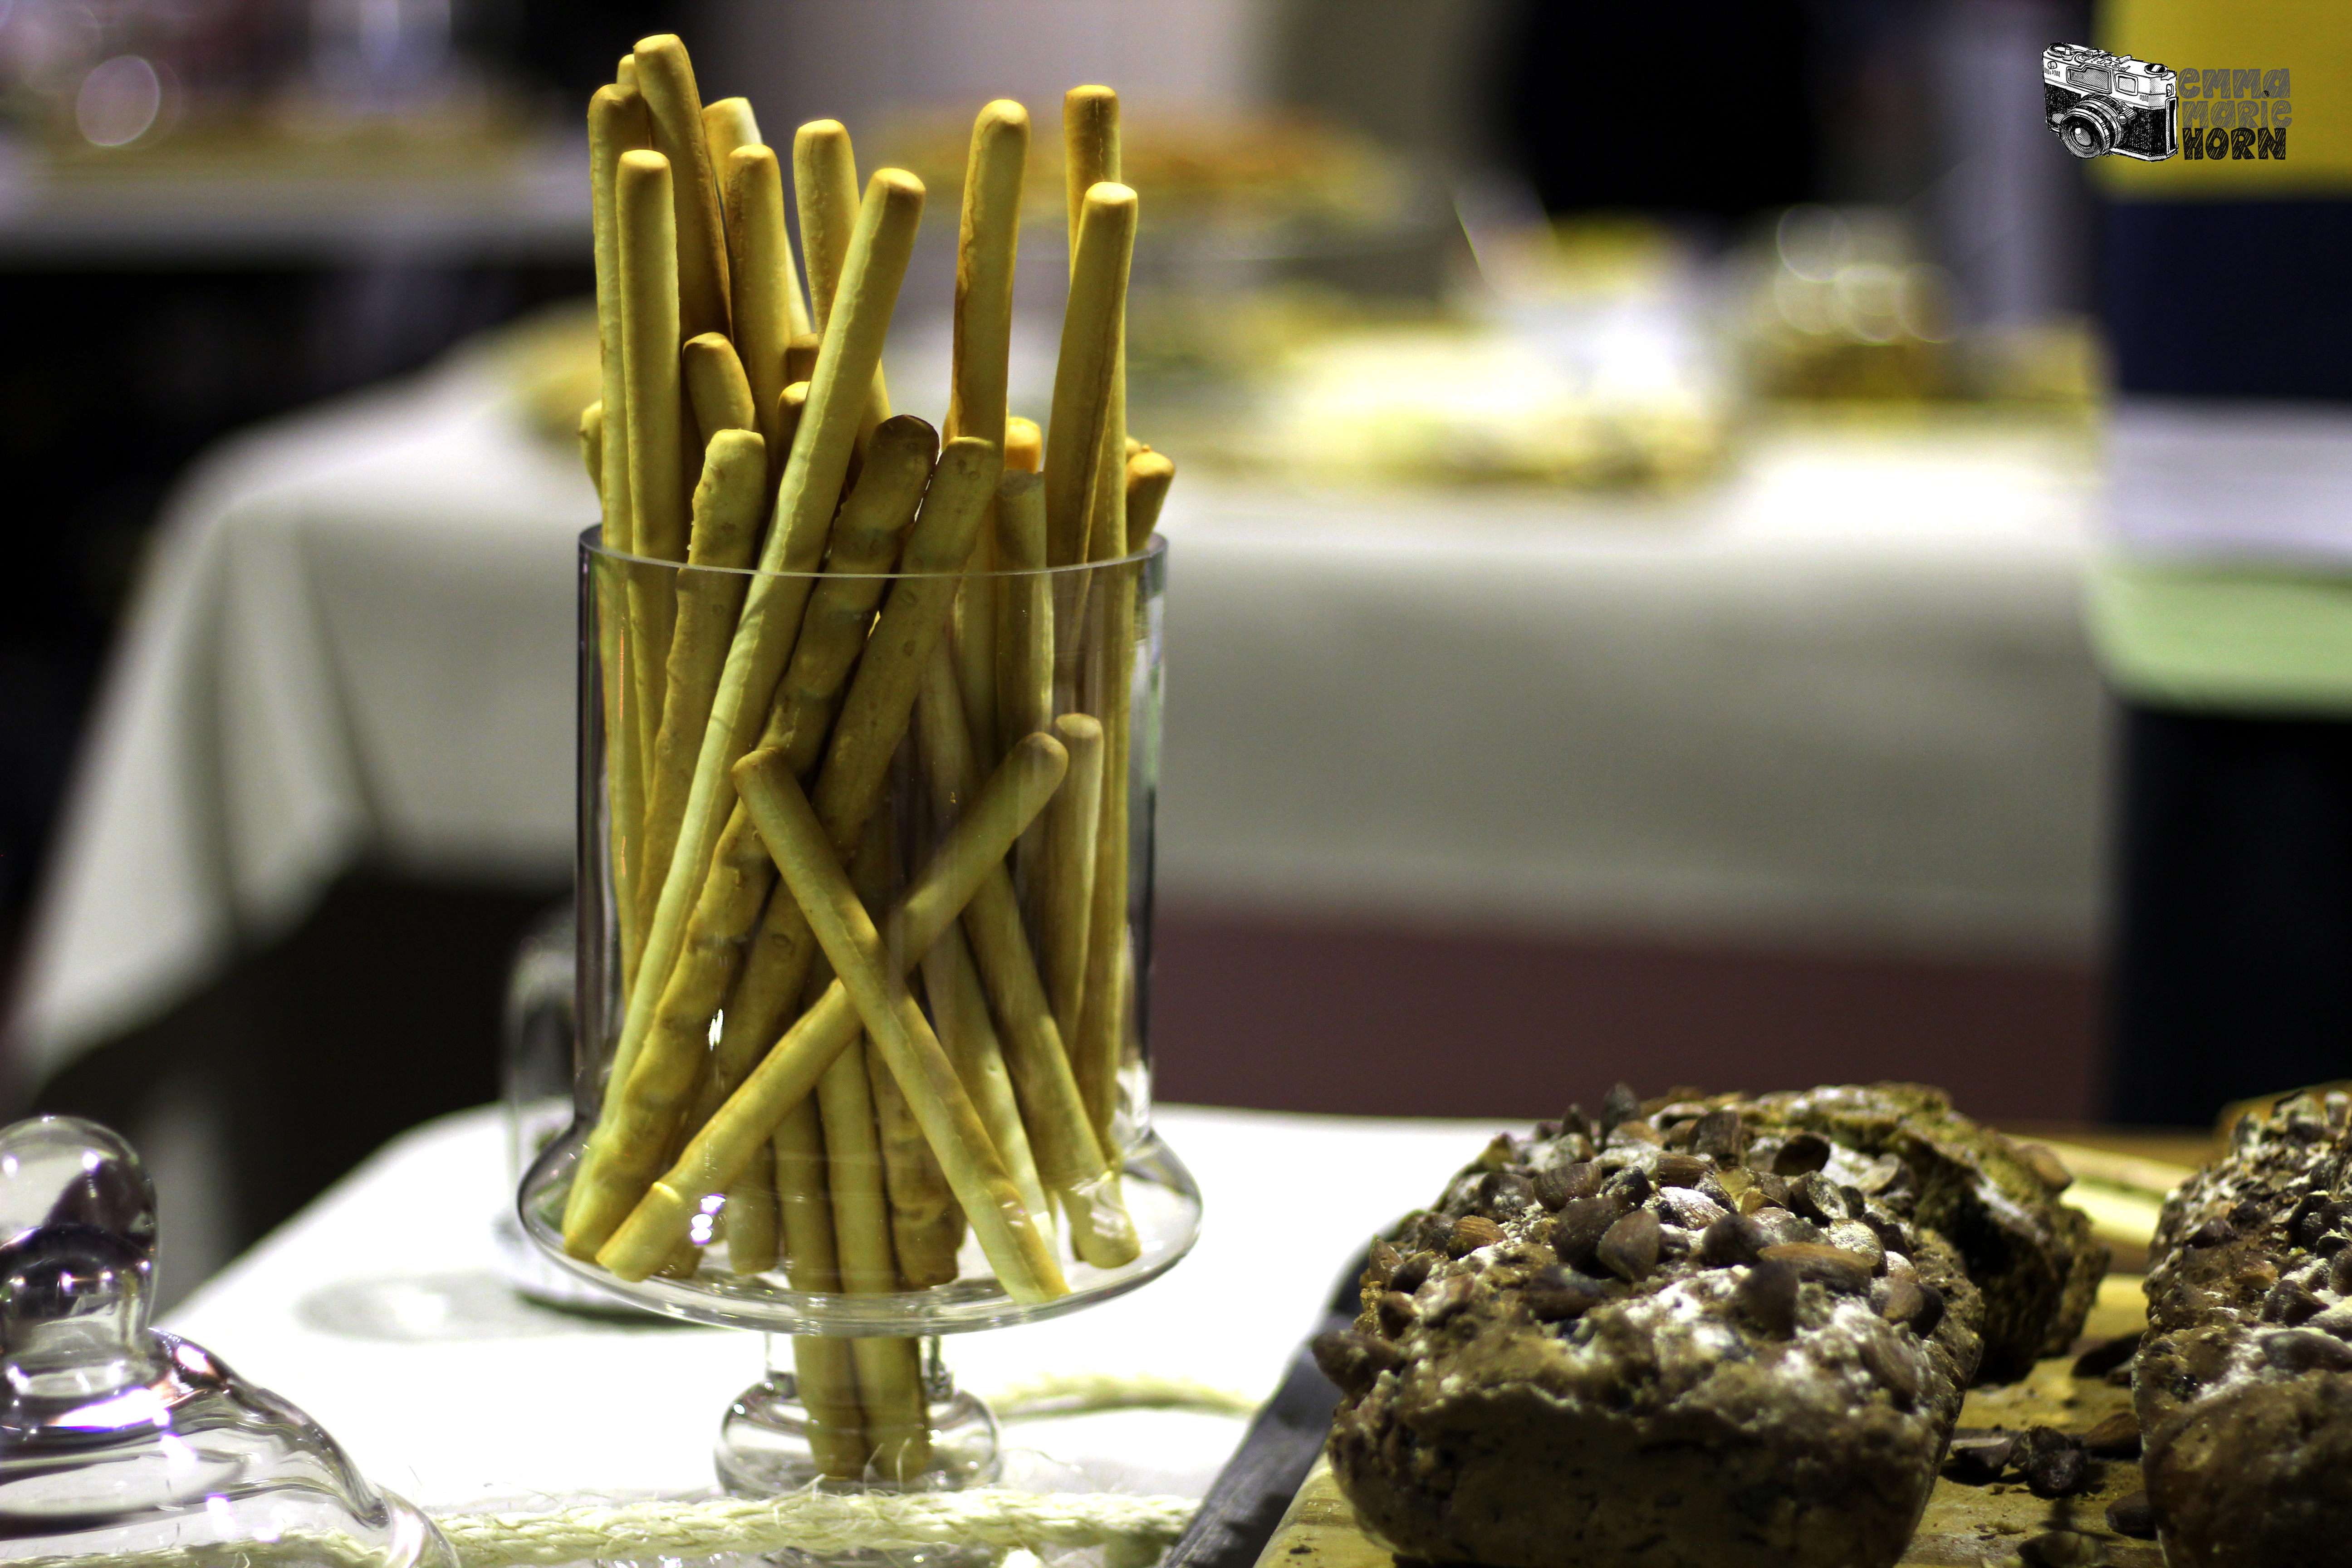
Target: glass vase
{"points": [[864, 934]]}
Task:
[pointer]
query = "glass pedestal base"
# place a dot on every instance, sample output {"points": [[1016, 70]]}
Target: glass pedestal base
{"points": [[786, 1433]]}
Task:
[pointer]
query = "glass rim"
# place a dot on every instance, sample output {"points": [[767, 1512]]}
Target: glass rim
{"points": [[1156, 545]]}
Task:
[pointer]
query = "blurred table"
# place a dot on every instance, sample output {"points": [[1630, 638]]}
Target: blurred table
{"points": [[165, 295], [353, 643], [378, 1312], [496, 199], [1845, 696]]}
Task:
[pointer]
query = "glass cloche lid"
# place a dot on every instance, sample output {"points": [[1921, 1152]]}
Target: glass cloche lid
{"points": [[121, 1441]]}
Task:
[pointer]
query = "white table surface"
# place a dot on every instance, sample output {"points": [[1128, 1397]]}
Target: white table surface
{"points": [[378, 1310], [1844, 695]]}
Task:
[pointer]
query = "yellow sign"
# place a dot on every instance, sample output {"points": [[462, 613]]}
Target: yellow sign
{"points": [[2273, 78]]}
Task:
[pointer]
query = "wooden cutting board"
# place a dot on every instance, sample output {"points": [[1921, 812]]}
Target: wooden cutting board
{"points": [[1963, 1526]]}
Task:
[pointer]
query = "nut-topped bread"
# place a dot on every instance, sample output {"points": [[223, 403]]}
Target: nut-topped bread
{"points": [[2243, 1383], [1600, 1351], [1995, 1201], [1705, 1331]]}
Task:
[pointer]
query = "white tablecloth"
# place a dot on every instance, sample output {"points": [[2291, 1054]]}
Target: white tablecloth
{"points": [[352, 639], [1846, 698], [377, 1309], [1842, 697]]}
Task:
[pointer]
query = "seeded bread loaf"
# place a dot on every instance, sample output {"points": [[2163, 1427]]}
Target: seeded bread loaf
{"points": [[1691, 1333], [2243, 1383]]}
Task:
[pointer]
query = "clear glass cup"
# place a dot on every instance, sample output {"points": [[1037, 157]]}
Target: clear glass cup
{"points": [[894, 1082]]}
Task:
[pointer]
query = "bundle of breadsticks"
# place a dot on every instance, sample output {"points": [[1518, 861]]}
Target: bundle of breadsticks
{"points": [[868, 834]]}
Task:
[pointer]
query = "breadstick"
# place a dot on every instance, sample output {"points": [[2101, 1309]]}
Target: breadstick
{"points": [[987, 245], [1107, 511], [972, 640], [1025, 446], [1091, 155], [790, 406], [665, 77], [822, 1366], [1086, 372], [768, 307], [1069, 1158], [1025, 612], [926, 1226], [647, 257], [800, 355], [882, 696], [826, 1378], [657, 497], [795, 546], [790, 826], [890, 1396], [889, 1387], [959, 1005], [751, 1219], [824, 183], [1090, 149], [718, 1153], [873, 717], [768, 976], [725, 532], [975, 631], [861, 1212], [986, 248], [898, 1417], [616, 124], [673, 1051], [833, 630], [959, 1014], [1149, 475], [591, 446], [625, 798], [625, 801], [804, 1214], [727, 124], [1100, 1045], [716, 388], [1072, 827]]}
